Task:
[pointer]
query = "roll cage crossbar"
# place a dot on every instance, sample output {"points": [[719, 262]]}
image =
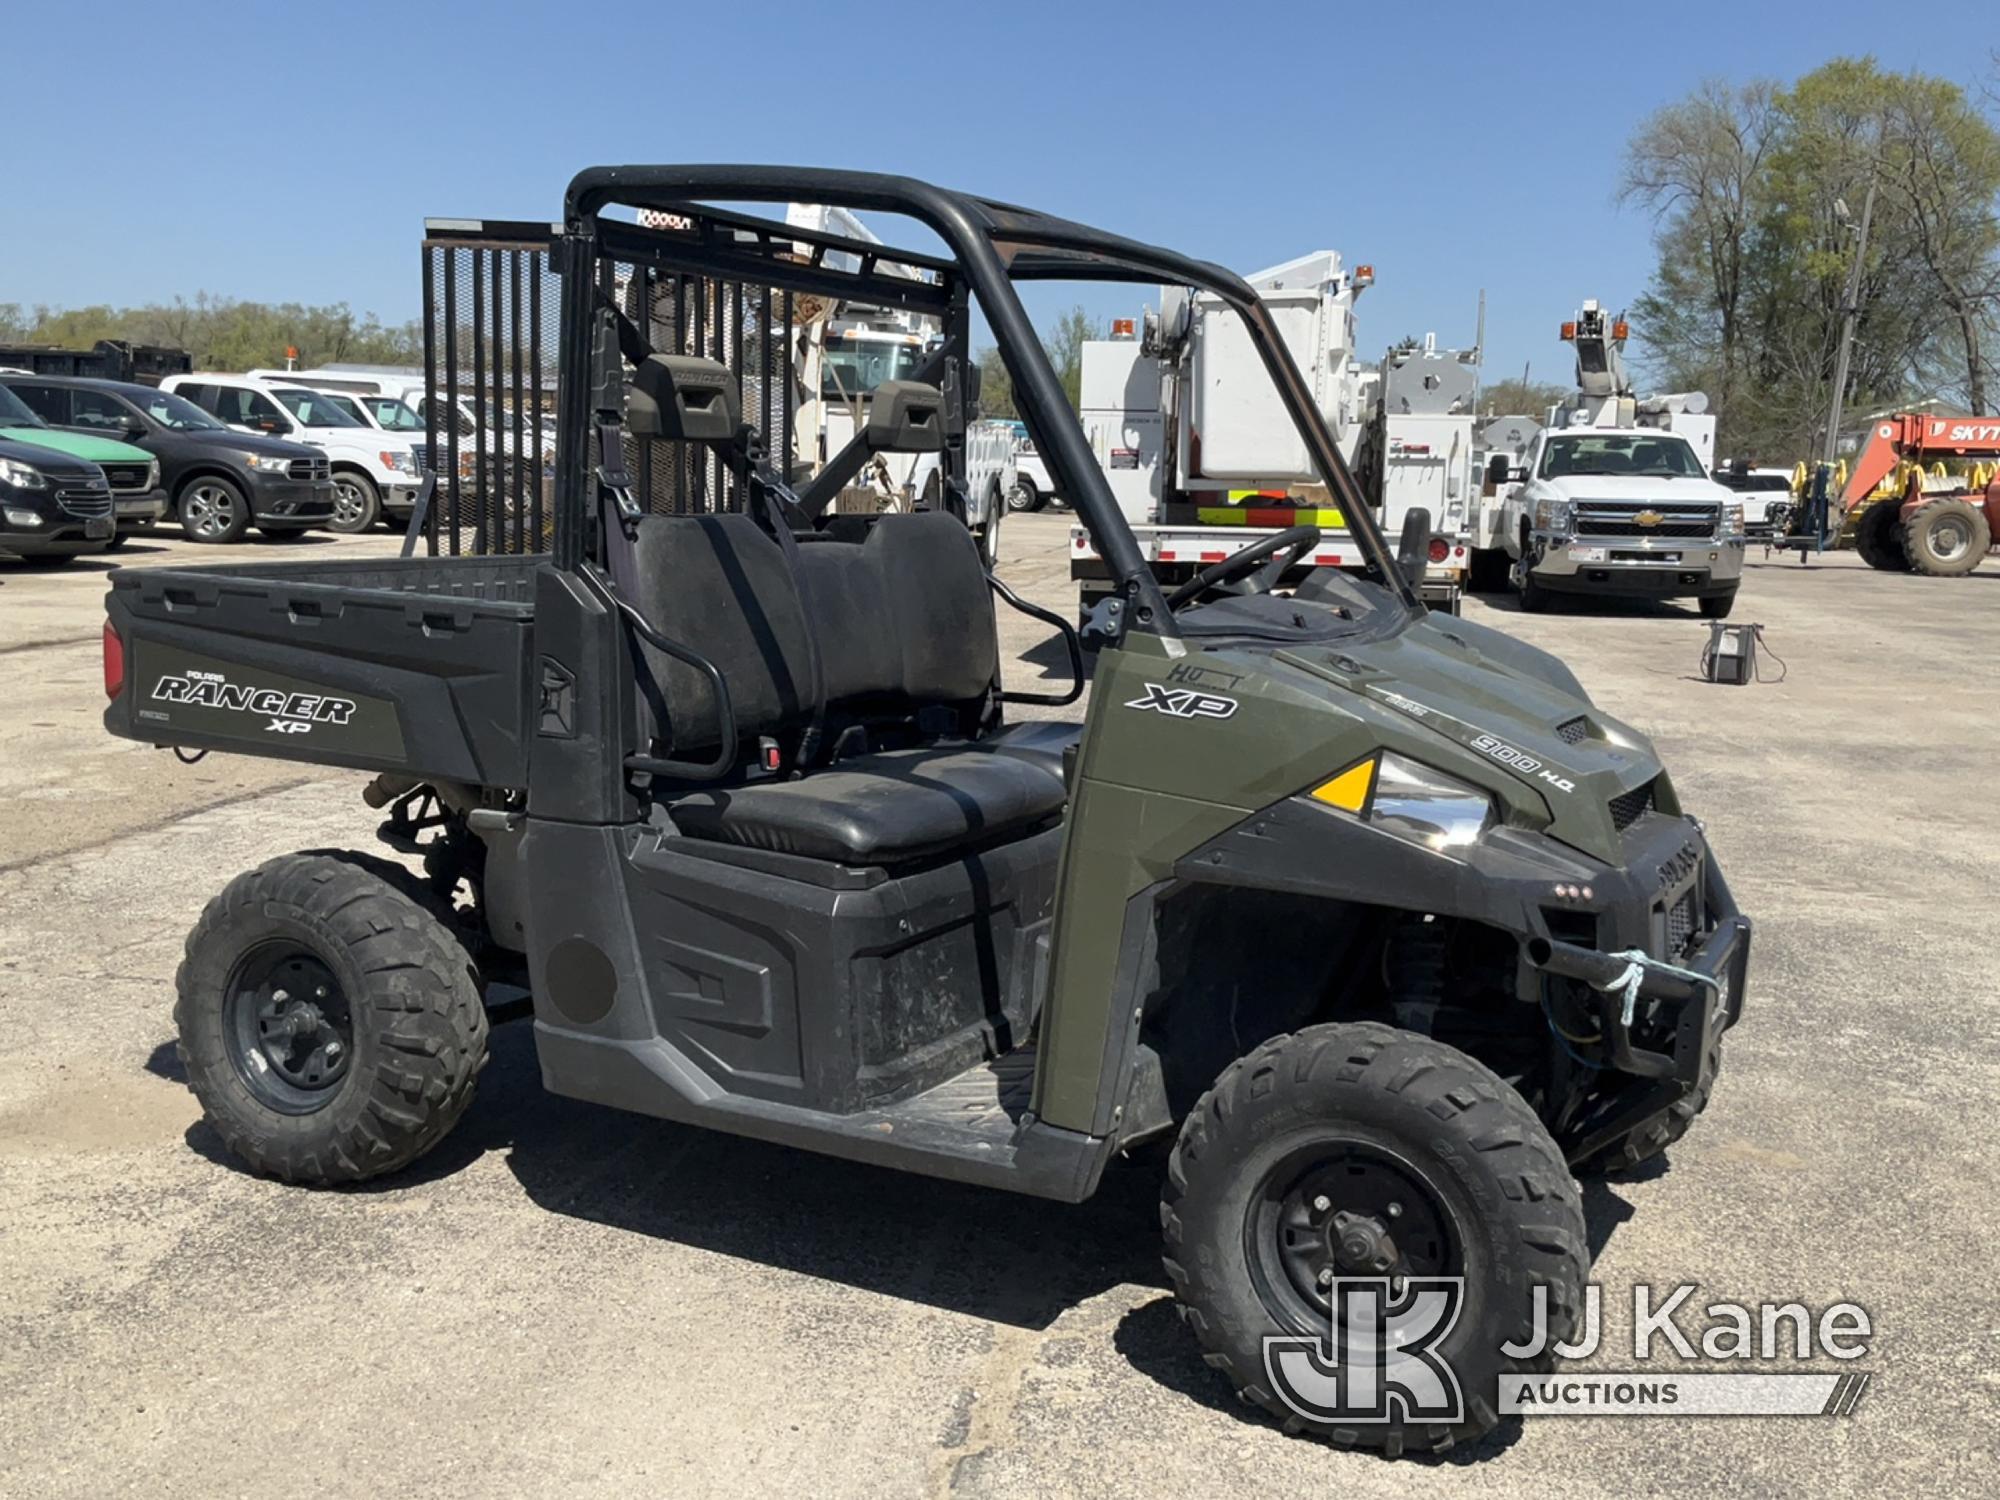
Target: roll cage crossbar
{"points": [[992, 245]]}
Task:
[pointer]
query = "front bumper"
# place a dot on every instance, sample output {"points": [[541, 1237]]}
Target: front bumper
{"points": [[1665, 568], [137, 510], [400, 496], [293, 502]]}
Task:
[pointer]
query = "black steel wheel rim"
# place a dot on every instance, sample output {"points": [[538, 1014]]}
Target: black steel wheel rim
{"points": [[1340, 1208], [289, 1028]]}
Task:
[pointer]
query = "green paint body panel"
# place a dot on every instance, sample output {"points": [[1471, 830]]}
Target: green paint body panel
{"points": [[94, 450], [1153, 786]]}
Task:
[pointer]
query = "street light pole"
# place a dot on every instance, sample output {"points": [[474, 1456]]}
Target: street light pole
{"points": [[1849, 311]]}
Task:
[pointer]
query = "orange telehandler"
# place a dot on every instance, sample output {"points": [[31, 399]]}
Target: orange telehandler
{"points": [[1940, 525]]}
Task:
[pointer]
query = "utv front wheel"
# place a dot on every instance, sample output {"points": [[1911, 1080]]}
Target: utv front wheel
{"points": [[330, 1025], [1361, 1151]]}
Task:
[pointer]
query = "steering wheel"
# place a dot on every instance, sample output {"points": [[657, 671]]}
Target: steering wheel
{"points": [[1294, 542]]}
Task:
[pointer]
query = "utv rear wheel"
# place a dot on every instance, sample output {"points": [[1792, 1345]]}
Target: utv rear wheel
{"points": [[1363, 1151], [329, 1023], [1878, 537], [1946, 538]]}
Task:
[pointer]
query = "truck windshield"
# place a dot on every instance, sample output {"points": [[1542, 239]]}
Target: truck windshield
{"points": [[179, 413], [1653, 457], [313, 408], [857, 367], [14, 411]]}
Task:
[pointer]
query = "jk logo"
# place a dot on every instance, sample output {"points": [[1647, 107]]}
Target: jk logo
{"points": [[1379, 1357], [1184, 703]]}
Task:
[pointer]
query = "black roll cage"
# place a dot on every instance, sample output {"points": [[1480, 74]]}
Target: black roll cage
{"points": [[994, 244]]}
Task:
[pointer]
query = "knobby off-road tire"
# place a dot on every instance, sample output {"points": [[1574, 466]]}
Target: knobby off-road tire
{"points": [[1450, 1127], [1878, 537], [330, 1023], [1649, 1140], [1946, 539]]}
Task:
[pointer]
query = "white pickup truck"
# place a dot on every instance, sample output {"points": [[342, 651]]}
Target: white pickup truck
{"points": [[375, 473], [1627, 512]]}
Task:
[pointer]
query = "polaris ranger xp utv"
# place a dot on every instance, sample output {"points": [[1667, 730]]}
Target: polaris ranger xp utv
{"points": [[1368, 912]]}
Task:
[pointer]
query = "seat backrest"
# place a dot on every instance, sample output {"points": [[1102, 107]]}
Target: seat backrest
{"points": [[903, 619]]}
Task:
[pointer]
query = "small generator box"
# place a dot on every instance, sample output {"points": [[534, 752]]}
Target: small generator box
{"points": [[1731, 654]]}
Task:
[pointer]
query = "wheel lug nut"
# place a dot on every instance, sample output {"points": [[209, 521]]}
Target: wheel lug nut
{"points": [[1395, 1210], [1322, 1203], [1326, 1276]]}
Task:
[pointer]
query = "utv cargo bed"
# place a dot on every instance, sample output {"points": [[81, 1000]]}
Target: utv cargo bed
{"points": [[414, 665]]}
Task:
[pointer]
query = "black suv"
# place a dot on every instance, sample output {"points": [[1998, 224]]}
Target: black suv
{"points": [[52, 507], [219, 480]]}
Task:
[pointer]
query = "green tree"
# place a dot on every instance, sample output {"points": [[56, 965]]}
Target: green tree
{"points": [[1065, 344], [996, 386], [1516, 397], [1755, 189]]}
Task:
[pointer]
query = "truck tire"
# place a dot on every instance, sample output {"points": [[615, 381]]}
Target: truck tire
{"points": [[330, 1024], [212, 509], [1717, 606], [1535, 599], [1023, 496], [357, 504], [1405, 1132], [1946, 538], [1878, 537]]}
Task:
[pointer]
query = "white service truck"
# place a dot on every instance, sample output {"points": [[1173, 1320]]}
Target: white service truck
{"points": [[1615, 498], [1203, 459]]}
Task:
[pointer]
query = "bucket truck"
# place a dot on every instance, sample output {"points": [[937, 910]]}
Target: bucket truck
{"points": [[1204, 461], [1615, 498]]}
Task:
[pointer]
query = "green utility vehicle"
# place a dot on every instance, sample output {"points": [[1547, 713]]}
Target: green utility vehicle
{"points": [[1366, 913]]}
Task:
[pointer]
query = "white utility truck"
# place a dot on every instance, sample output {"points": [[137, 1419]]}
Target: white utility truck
{"points": [[1203, 459], [842, 352], [1615, 498]]}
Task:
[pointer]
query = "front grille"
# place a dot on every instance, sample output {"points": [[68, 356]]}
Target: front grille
{"points": [[1614, 518], [1683, 922], [85, 504], [309, 470], [1631, 806], [127, 476], [1575, 732]]}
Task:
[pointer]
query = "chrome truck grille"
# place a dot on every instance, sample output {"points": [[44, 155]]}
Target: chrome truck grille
{"points": [[1630, 521]]}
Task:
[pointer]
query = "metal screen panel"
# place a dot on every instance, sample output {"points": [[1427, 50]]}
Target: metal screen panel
{"points": [[492, 305]]}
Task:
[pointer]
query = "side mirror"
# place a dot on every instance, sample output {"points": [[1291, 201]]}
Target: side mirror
{"points": [[1413, 550], [134, 431], [1497, 469]]}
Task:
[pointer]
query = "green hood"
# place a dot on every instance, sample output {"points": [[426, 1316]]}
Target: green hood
{"points": [[94, 450]]}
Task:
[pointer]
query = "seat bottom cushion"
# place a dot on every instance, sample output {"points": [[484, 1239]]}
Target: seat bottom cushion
{"points": [[881, 809]]}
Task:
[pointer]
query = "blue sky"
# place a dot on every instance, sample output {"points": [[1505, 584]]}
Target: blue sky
{"points": [[291, 151]]}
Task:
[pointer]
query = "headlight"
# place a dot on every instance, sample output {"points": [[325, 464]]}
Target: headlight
{"points": [[1411, 800], [22, 476], [153, 475], [268, 463], [401, 462], [1552, 515], [1732, 519]]}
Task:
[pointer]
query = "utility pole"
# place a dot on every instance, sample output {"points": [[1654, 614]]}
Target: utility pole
{"points": [[1849, 311]]}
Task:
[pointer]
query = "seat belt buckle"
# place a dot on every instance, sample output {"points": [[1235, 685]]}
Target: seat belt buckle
{"points": [[612, 474], [769, 756]]}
